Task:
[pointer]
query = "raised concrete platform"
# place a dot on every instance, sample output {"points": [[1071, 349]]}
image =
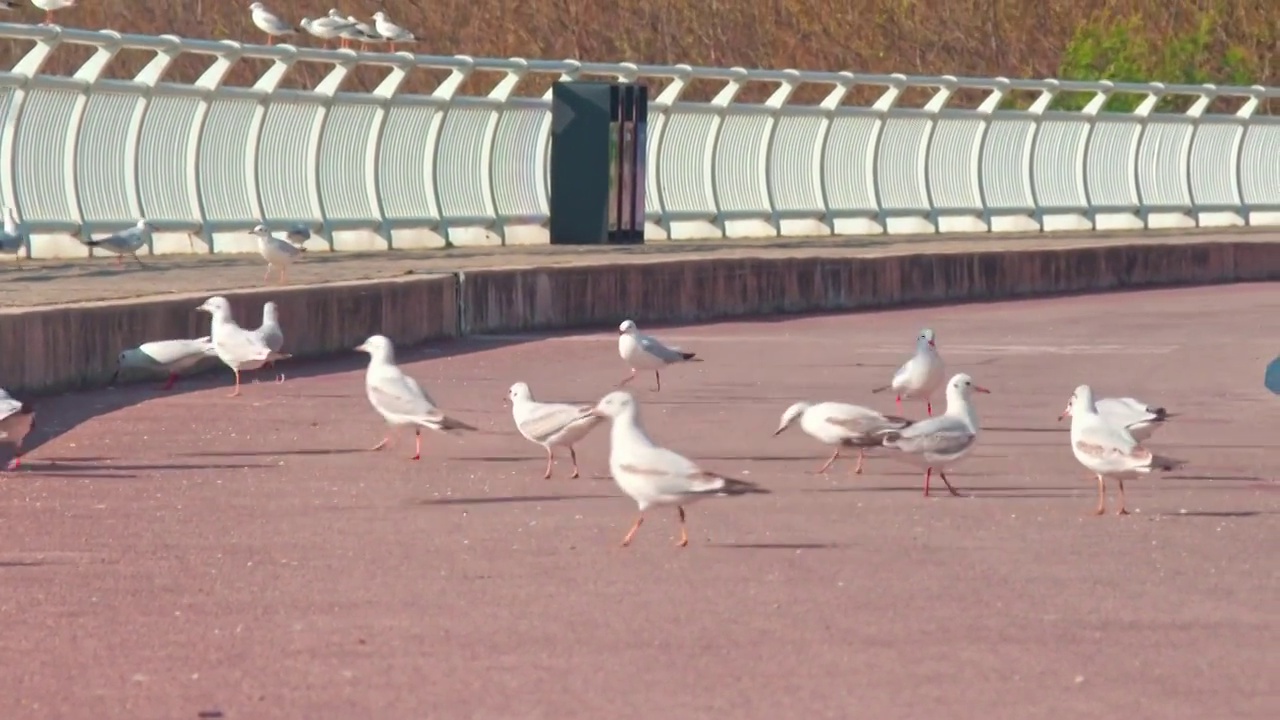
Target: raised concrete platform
{"points": [[53, 346]]}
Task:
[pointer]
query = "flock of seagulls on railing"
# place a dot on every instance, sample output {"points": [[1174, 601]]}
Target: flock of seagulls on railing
{"points": [[1105, 437], [346, 30]]}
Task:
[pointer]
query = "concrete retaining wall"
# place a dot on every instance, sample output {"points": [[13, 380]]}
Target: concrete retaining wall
{"points": [[71, 346], [62, 347]]}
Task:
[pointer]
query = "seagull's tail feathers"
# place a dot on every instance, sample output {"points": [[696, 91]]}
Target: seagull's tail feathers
{"points": [[273, 356], [444, 423], [712, 484], [690, 357]]}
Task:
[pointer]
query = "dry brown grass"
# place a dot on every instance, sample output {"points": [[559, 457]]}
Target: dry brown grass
{"points": [[1014, 38]]}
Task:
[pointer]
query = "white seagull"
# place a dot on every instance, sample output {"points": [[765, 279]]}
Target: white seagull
{"points": [[270, 24], [940, 442], [1107, 449], [48, 6], [921, 376], [169, 356], [271, 333], [550, 425], [125, 242], [325, 28], [277, 252], [390, 31], [645, 352], [1139, 418], [361, 32], [398, 398], [238, 348], [16, 420], [13, 239], [842, 425], [655, 476]]}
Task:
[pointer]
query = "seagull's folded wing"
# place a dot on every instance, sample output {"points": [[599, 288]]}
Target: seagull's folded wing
{"points": [[655, 348], [943, 438], [547, 419], [395, 393]]}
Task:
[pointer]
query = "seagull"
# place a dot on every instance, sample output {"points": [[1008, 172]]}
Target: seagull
{"points": [[1107, 449], [125, 242], [50, 5], [13, 239], [398, 398], [16, 420], [238, 348], [269, 23], [390, 31], [325, 28], [940, 442], [644, 352], [170, 356], [361, 32], [278, 253], [1140, 419], [652, 475], [921, 376], [270, 333], [550, 425], [842, 425]]}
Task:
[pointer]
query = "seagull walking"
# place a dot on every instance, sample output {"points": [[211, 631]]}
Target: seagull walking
{"points": [[398, 398], [842, 425], [269, 23], [16, 420], [655, 476], [940, 442], [645, 352], [390, 31], [271, 333], [169, 356], [278, 253], [921, 376], [125, 242], [1139, 418], [1107, 449], [238, 348], [549, 424]]}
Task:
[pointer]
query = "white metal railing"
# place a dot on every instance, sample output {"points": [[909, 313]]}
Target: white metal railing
{"points": [[390, 169]]}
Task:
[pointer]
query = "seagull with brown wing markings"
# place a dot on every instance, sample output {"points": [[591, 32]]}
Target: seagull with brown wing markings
{"points": [[842, 425], [549, 424], [655, 476]]}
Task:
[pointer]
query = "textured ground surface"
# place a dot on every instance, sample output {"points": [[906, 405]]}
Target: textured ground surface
{"points": [[63, 281], [165, 555]]}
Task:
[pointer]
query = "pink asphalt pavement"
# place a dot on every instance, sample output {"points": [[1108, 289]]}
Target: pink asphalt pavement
{"points": [[185, 554]]}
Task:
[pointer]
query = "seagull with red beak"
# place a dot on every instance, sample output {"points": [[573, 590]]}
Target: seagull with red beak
{"points": [[942, 441], [921, 376]]}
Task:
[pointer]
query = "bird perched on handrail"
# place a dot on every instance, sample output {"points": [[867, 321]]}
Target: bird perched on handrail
{"points": [[390, 31], [270, 23]]}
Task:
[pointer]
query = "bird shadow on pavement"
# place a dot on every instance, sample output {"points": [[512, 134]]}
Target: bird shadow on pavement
{"points": [[1217, 514], [102, 469]]}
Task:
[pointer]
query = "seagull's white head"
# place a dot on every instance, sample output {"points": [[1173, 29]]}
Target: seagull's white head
{"points": [[962, 386], [144, 226], [260, 229], [519, 391], [379, 347], [380, 16], [270, 312], [627, 326], [614, 405], [257, 7], [1081, 398], [926, 337], [333, 13], [216, 306], [789, 416]]}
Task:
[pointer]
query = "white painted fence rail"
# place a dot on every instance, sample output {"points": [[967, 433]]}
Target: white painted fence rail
{"points": [[204, 162]]}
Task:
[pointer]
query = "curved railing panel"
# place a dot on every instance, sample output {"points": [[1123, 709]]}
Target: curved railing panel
{"points": [[419, 158]]}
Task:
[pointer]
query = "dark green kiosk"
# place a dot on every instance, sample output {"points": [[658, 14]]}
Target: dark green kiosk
{"points": [[598, 152]]}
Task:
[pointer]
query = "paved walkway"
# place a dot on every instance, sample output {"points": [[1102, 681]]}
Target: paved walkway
{"points": [[60, 281]]}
